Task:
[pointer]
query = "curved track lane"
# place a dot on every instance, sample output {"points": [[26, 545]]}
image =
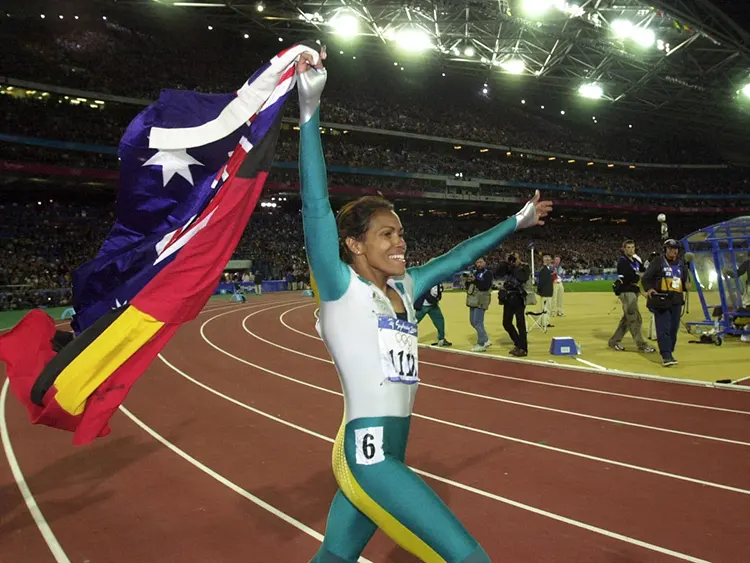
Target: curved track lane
{"points": [[223, 453]]}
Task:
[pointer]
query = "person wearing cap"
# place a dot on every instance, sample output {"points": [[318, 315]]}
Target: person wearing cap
{"points": [[665, 282]]}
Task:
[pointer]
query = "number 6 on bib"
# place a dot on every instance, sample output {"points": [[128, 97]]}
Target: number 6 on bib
{"points": [[369, 443]]}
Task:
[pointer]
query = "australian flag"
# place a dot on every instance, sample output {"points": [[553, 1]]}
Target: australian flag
{"points": [[192, 167]]}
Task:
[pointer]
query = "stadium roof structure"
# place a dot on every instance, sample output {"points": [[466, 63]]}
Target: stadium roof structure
{"points": [[684, 60], [736, 230]]}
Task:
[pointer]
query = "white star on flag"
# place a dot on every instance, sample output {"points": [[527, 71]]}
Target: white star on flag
{"points": [[118, 304], [173, 162]]}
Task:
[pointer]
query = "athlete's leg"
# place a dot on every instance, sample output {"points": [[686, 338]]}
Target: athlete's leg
{"points": [[437, 318], [371, 473], [347, 533]]}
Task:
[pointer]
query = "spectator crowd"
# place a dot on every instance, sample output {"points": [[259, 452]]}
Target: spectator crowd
{"points": [[42, 242], [46, 119], [111, 57]]}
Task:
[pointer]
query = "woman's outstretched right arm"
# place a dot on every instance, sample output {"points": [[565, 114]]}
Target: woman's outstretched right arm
{"points": [[319, 224]]}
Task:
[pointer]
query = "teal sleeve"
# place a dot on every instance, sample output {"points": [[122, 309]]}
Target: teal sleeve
{"points": [[318, 222], [438, 269]]}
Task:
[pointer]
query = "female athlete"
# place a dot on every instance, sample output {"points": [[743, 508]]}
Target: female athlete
{"points": [[368, 323]]}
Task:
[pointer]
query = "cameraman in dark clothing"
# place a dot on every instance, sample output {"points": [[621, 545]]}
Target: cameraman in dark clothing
{"points": [[512, 296], [665, 282], [627, 288]]}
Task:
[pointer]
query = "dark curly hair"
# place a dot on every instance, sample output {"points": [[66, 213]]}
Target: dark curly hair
{"points": [[353, 220]]}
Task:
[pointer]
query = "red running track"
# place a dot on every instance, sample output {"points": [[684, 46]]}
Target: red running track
{"points": [[223, 454]]}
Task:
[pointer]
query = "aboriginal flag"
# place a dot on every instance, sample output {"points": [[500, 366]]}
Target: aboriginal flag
{"points": [[192, 167]]}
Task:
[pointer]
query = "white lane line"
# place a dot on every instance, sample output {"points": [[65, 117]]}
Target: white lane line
{"points": [[591, 364], [531, 381], [223, 480], [605, 461], [41, 523], [506, 401], [36, 513], [456, 484], [303, 333], [660, 379]]}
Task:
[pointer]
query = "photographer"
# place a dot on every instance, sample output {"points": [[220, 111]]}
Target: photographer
{"points": [[478, 290], [514, 275], [665, 283], [627, 288]]}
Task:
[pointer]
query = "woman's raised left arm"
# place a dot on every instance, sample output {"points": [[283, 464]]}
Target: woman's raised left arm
{"points": [[438, 269]]}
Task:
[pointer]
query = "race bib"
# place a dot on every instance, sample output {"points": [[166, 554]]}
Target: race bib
{"points": [[369, 443], [398, 349], [676, 283]]}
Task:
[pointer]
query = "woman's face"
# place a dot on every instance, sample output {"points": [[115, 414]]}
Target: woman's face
{"points": [[383, 245]]}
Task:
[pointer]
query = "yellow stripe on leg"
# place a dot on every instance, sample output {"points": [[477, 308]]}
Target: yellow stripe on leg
{"points": [[385, 521], [100, 359], [314, 287]]}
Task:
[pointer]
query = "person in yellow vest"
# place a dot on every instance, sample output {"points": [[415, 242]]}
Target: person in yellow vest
{"points": [[665, 283]]}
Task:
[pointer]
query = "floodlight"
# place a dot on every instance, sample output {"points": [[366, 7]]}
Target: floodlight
{"points": [[622, 28], [746, 90], [593, 91], [537, 7], [469, 51], [413, 39], [514, 66], [643, 36], [345, 24]]}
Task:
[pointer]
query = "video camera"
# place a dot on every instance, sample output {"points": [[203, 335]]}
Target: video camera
{"points": [[504, 268]]}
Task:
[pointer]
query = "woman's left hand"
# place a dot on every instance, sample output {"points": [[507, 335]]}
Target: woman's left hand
{"points": [[543, 208], [533, 212]]}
